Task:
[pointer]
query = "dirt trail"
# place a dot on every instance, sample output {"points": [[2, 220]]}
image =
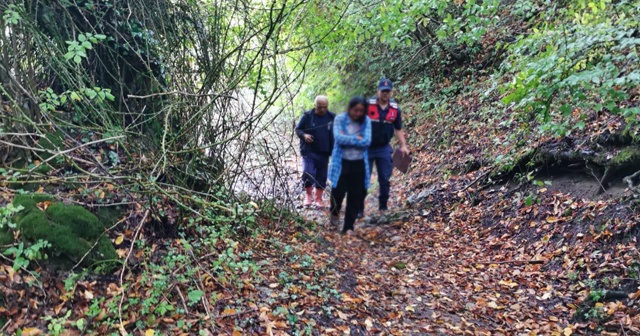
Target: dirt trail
{"points": [[448, 270]]}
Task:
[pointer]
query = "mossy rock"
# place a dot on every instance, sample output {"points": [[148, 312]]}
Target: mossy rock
{"points": [[36, 225], [83, 223], [70, 229], [29, 202]]}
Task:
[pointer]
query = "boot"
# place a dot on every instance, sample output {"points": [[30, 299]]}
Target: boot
{"points": [[319, 203], [308, 197]]}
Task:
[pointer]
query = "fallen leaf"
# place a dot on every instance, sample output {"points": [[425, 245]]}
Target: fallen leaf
{"points": [[368, 323], [44, 205], [31, 331], [149, 332]]}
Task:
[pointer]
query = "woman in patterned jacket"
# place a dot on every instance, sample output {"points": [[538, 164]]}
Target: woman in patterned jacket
{"points": [[349, 169]]}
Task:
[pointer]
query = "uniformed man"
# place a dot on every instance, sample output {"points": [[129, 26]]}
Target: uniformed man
{"points": [[386, 121]]}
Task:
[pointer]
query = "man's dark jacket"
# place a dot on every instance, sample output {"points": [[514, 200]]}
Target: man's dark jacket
{"points": [[307, 125]]}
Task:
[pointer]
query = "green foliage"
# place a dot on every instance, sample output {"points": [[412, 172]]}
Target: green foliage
{"points": [[56, 325], [562, 71], [364, 41], [11, 15], [21, 254], [596, 295], [195, 296], [77, 49]]}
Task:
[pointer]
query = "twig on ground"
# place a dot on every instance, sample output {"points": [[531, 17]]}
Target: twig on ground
{"points": [[123, 332], [532, 262], [602, 188], [184, 303], [477, 179], [6, 325]]}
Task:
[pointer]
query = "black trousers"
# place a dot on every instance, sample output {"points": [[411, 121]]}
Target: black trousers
{"points": [[351, 184]]}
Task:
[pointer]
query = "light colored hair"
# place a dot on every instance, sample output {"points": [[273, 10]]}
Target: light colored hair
{"points": [[320, 98]]}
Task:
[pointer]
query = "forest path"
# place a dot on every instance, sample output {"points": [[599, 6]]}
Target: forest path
{"points": [[442, 270]]}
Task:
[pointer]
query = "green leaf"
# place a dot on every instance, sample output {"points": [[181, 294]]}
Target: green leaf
{"points": [[81, 323], [87, 45], [195, 295], [74, 95], [77, 59], [528, 201], [90, 93], [81, 38]]}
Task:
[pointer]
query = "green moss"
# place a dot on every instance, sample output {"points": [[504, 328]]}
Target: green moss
{"points": [[82, 222], [105, 251], [627, 156], [6, 238], [35, 225], [29, 202], [70, 229]]}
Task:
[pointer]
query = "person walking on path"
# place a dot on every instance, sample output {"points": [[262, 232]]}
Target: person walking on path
{"points": [[349, 171], [315, 130], [386, 120]]}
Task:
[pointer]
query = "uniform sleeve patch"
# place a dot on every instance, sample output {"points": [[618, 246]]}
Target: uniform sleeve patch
{"points": [[394, 105]]}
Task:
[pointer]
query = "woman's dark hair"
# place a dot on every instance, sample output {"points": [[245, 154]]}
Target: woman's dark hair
{"points": [[358, 100]]}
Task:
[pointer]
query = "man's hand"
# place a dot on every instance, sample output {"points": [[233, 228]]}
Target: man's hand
{"points": [[308, 138], [404, 150], [360, 137]]}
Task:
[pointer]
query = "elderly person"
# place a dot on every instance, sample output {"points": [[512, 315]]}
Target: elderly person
{"points": [[315, 130]]}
